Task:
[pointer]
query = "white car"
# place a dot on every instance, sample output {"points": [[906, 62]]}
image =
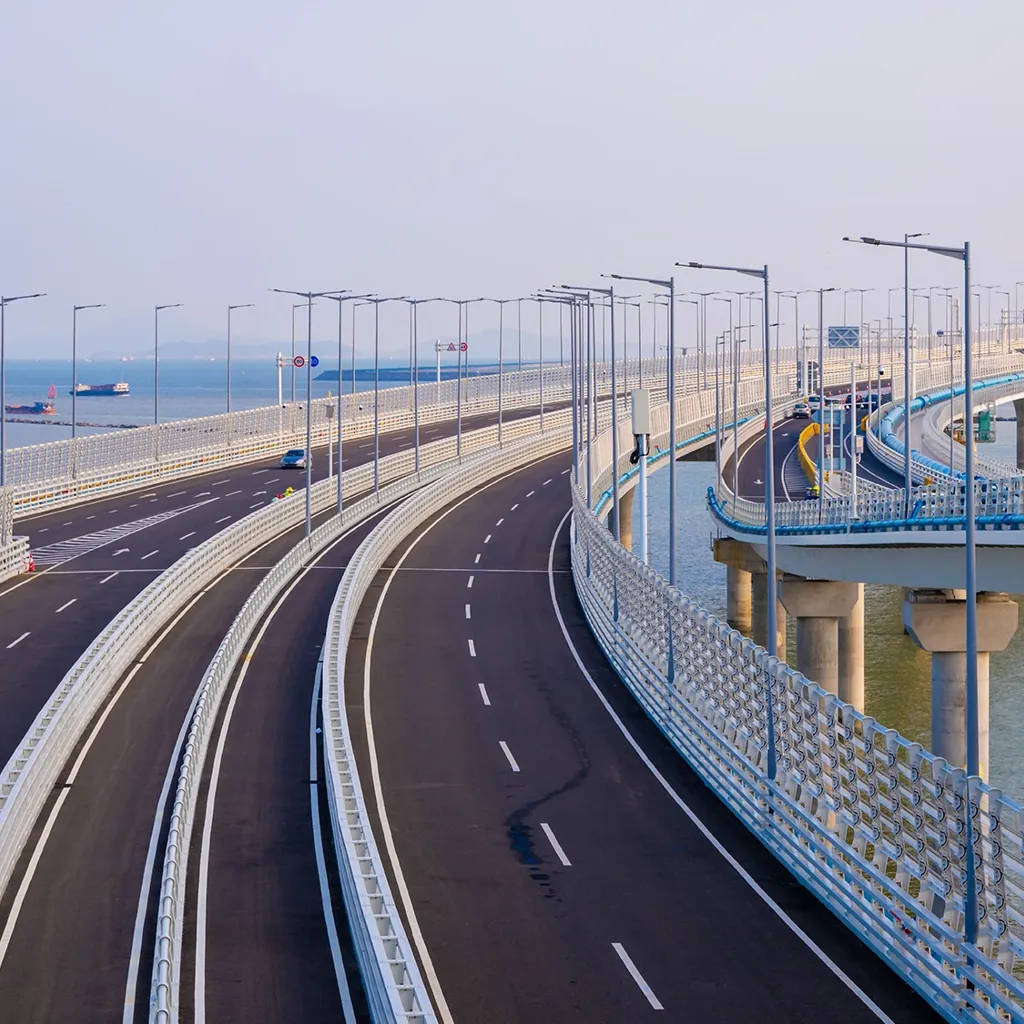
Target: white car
{"points": [[801, 411]]}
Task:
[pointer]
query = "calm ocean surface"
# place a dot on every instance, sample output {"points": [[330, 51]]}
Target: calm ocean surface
{"points": [[897, 673]]}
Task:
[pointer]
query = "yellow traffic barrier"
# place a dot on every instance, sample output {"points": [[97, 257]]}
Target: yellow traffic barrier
{"points": [[806, 462]]}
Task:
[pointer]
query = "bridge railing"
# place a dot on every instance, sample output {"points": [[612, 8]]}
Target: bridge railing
{"points": [[13, 550], [868, 821]]}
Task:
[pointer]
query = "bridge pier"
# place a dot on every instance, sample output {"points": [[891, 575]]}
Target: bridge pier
{"points": [[759, 598], [937, 622], [740, 561], [1018, 408], [818, 606], [851, 653]]}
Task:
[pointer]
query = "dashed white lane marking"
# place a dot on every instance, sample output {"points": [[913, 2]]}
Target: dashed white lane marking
{"points": [[483, 695], [487, 539], [68, 523], [370, 444], [564, 471], [218, 483], [112, 511], [136, 505], [107, 579], [89, 517], [257, 471], [637, 976], [467, 611], [272, 480], [18, 641], [546, 482], [176, 494], [223, 520], [530, 494], [472, 649], [469, 584], [476, 561], [257, 505], [203, 494], [231, 494], [187, 535], [45, 529], [152, 494], [150, 555], [508, 754], [256, 494], [514, 507], [66, 604], [500, 521], [555, 845]]}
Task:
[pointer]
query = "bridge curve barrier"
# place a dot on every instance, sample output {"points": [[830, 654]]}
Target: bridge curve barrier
{"points": [[391, 977], [868, 821], [39, 760], [809, 466]]}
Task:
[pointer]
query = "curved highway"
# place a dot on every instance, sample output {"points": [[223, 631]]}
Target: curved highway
{"points": [[561, 862]]}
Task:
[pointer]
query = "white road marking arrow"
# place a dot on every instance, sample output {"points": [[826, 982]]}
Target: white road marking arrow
{"points": [[758, 481]]}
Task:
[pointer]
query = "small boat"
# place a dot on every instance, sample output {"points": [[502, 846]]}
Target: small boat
{"points": [[120, 388], [35, 409]]}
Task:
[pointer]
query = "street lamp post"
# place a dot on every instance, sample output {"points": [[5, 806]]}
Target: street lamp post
{"points": [[4, 302], [769, 483], [821, 397], [414, 347], [74, 362], [244, 305], [963, 253], [156, 357]]}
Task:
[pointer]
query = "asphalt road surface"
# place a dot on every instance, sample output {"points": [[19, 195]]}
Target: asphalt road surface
{"points": [[552, 869]]}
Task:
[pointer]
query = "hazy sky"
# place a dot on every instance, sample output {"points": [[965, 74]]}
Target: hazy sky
{"points": [[205, 152]]}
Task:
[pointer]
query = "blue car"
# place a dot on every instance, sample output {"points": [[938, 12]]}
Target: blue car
{"points": [[294, 458]]}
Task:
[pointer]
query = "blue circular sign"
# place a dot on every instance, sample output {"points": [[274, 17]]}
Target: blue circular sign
{"points": [[314, 361]]}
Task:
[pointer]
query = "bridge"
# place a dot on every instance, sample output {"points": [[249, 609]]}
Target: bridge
{"points": [[459, 754]]}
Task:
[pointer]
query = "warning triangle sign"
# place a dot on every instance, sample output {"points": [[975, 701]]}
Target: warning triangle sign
{"points": [[451, 346]]}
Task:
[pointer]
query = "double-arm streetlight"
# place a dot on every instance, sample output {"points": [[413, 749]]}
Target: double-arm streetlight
{"points": [[563, 299], [821, 397], [341, 298], [962, 253], [414, 369], [769, 483], [5, 301], [74, 362], [156, 357], [242, 305]]}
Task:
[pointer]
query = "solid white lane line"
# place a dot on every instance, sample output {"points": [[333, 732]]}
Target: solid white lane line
{"points": [[348, 1009], [176, 494], [487, 539], [555, 845], [508, 754], [637, 976], [483, 695], [108, 578], [187, 535], [500, 521], [476, 561], [150, 555], [217, 522], [66, 604], [472, 648], [415, 932], [231, 494], [514, 507], [469, 585], [530, 494], [688, 811], [467, 611], [18, 641]]}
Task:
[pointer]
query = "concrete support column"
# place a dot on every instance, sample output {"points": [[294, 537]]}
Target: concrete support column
{"points": [[625, 519], [818, 606], [738, 598], [1018, 408], [851, 653], [937, 622]]}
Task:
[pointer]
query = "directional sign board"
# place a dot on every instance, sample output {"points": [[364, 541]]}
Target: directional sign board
{"points": [[844, 337], [299, 361], [314, 361]]}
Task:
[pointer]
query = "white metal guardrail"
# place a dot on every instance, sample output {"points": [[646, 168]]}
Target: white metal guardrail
{"points": [[13, 550], [871, 823], [35, 766], [394, 987]]}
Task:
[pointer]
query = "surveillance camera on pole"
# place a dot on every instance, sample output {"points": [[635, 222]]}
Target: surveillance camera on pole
{"points": [[642, 435]]}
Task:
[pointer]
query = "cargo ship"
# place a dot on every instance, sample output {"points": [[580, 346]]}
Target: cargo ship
{"points": [[120, 388], [35, 409]]}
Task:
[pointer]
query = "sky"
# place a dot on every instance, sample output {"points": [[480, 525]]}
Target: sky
{"points": [[206, 152]]}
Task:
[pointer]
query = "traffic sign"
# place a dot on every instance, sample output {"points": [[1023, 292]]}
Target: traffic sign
{"points": [[464, 346], [299, 361], [314, 361], [451, 346]]}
